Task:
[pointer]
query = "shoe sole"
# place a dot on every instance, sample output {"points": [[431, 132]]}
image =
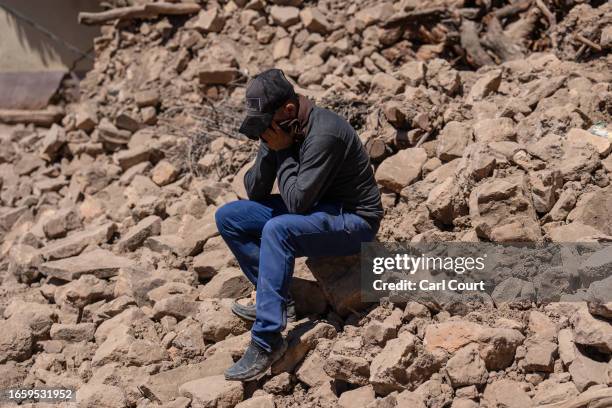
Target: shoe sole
{"points": [[260, 375]]}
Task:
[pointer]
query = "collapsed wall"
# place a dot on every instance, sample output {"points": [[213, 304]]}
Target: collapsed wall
{"points": [[483, 123]]}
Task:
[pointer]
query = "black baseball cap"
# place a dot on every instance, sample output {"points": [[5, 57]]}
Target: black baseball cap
{"points": [[266, 92]]}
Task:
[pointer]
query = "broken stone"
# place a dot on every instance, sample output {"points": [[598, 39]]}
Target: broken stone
{"points": [[213, 391], [73, 332], [359, 397], [164, 173], [134, 238], [602, 145], [312, 372], [217, 75], [388, 369], [164, 386], [52, 143], [58, 225], [466, 367], [15, 341], [24, 263], [147, 98], [590, 331], [587, 372], [76, 242], [494, 130], [401, 169], [485, 85], [218, 320], [99, 262], [285, 16], [228, 283], [209, 21], [314, 20], [506, 393], [453, 140], [540, 356]]}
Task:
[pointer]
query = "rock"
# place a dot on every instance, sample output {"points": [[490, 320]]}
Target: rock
{"points": [[282, 48], [179, 306], [279, 384], [594, 209], [101, 396], [412, 72], [597, 266], [348, 368], [598, 298], [545, 185], [602, 145], [587, 372], [15, 341], [218, 320], [445, 202], [52, 143], [136, 235], [76, 242], [79, 293], [58, 225], [452, 140], [86, 118], [164, 386], [228, 283], [164, 173], [388, 369], [497, 345], [590, 331], [464, 403], [433, 393], [567, 349], [73, 332], [120, 346], [24, 262], [401, 169], [217, 75], [131, 157], [375, 14], [312, 372], [485, 85], [506, 393], [147, 98], [209, 21], [573, 232], [386, 84], [301, 339], [550, 391], [502, 211], [442, 76], [338, 282], [261, 401], [540, 356], [285, 16], [541, 327], [466, 367], [514, 290], [98, 262], [359, 397], [37, 317], [377, 332], [110, 134], [213, 391], [314, 20], [215, 256], [494, 130]]}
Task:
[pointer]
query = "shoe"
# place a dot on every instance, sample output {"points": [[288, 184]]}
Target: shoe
{"points": [[254, 363], [248, 312]]}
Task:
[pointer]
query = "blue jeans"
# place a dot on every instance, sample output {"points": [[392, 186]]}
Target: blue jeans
{"points": [[265, 239]]}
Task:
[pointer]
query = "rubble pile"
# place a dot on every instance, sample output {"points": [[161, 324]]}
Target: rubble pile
{"points": [[484, 122]]}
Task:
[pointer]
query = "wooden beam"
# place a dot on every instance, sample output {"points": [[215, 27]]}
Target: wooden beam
{"points": [[151, 10]]}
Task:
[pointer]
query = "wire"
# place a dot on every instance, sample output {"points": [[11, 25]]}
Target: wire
{"points": [[48, 33]]}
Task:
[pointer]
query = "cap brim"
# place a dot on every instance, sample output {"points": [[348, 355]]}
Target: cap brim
{"points": [[254, 125]]}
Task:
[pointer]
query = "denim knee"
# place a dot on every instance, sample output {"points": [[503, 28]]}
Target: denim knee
{"points": [[276, 228], [226, 214]]}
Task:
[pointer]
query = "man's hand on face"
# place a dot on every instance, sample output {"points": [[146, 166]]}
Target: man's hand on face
{"points": [[277, 138]]}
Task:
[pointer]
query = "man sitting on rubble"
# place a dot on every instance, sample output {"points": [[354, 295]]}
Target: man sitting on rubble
{"points": [[328, 205]]}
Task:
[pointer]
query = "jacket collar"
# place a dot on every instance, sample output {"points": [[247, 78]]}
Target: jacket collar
{"points": [[304, 113]]}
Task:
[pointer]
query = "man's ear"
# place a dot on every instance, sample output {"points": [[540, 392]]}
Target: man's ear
{"points": [[291, 109]]}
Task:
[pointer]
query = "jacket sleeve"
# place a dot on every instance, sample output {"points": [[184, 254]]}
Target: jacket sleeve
{"points": [[259, 179], [302, 183]]}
